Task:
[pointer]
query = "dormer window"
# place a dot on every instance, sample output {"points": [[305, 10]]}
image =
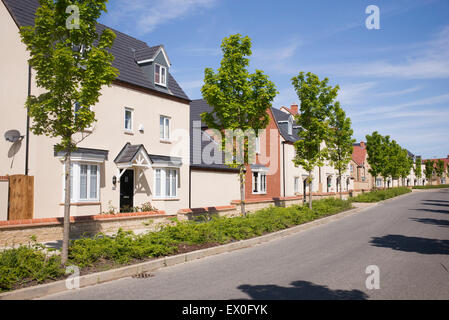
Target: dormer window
{"points": [[160, 75]]}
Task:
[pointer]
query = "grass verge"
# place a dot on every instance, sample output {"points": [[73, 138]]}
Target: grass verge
{"points": [[379, 195], [30, 264], [439, 186]]}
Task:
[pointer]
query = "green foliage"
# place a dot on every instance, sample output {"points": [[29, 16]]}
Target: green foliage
{"points": [[340, 143], [27, 264], [239, 100], [69, 68], [379, 195], [439, 168], [439, 186], [317, 102], [18, 266], [429, 169]]}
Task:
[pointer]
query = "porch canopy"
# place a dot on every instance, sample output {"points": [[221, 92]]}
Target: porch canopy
{"points": [[137, 157]]}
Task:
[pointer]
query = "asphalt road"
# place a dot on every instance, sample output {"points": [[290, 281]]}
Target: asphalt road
{"points": [[407, 239]]}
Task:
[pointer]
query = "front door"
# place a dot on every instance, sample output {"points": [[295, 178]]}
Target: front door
{"points": [[127, 190]]}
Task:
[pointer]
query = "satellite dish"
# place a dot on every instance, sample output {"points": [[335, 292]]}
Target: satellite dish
{"points": [[13, 136]]}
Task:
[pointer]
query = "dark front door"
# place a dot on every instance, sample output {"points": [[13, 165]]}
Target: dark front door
{"points": [[127, 190]]}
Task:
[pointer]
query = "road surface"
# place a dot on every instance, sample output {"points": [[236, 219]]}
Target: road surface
{"points": [[407, 239]]}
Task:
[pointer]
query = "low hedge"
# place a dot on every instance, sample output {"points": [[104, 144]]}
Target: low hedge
{"points": [[379, 195], [432, 186], [30, 264]]}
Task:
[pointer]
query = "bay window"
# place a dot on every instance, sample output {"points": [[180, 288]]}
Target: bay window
{"points": [[84, 182], [165, 183]]}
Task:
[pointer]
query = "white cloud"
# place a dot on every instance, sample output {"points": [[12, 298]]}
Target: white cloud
{"points": [[150, 14], [431, 61]]}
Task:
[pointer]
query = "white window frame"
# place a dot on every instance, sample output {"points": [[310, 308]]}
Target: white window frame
{"points": [[76, 182], [296, 183], [165, 126], [257, 144], [162, 80], [163, 183], [131, 120], [261, 177]]}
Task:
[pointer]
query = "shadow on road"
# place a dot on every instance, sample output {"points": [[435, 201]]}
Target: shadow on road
{"points": [[444, 201], [412, 244], [432, 210], [435, 204], [300, 290], [441, 223]]}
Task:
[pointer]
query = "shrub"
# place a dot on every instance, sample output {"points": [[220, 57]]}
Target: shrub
{"points": [[27, 264], [438, 186], [379, 195]]}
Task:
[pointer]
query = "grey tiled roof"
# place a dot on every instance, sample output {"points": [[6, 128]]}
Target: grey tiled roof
{"points": [[283, 128], [130, 72], [128, 152], [85, 152], [146, 53], [196, 149]]}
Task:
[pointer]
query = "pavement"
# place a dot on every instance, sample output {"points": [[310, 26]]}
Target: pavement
{"points": [[401, 245]]}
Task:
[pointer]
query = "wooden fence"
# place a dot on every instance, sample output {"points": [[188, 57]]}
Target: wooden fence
{"points": [[21, 197]]}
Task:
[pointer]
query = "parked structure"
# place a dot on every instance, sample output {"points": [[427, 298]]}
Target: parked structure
{"points": [[127, 158]]}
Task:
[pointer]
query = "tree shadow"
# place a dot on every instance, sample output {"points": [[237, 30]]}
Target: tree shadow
{"points": [[412, 244], [435, 204], [432, 210], [441, 223], [445, 201], [300, 290]]}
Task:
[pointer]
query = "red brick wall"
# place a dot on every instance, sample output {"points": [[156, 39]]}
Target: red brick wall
{"points": [[273, 152]]}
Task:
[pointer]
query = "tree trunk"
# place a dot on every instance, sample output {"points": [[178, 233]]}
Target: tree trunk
{"points": [[66, 234], [310, 190], [242, 191], [341, 191]]}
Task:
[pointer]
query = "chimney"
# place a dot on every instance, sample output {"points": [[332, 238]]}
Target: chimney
{"points": [[294, 109], [362, 144]]}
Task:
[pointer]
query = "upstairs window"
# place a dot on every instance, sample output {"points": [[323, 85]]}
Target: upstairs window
{"points": [[257, 144], [128, 119], [164, 124], [160, 75]]}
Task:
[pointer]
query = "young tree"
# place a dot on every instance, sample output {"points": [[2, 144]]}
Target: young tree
{"points": [[394, 161], [239, 100], [317, 101], [429, 170], [72, 63], [417, 168], [340, 143], [439, 169], [406, 164], [375, 148]]}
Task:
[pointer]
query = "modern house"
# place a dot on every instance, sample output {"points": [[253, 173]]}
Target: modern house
{"points": [[212, 183], [444, 179], [325, 179], [359, 168], [262, 176], [138, 150]]}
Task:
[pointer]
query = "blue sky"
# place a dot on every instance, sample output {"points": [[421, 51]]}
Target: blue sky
{"points": [[394, 80]]}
